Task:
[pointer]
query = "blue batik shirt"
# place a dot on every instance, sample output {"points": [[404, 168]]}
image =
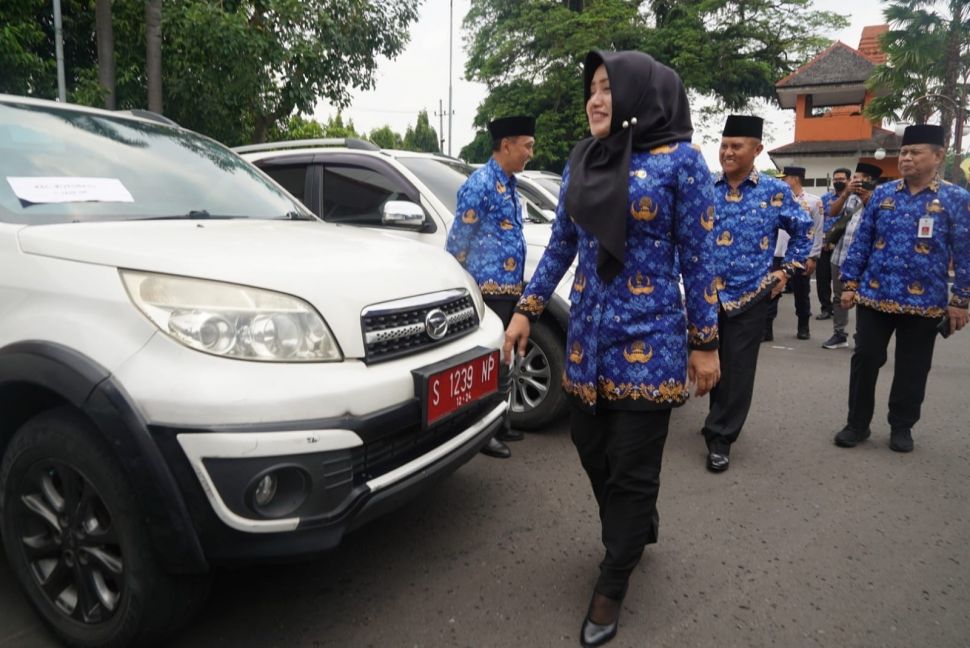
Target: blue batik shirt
{"points": [[486, 236], [894, 267], [746, 231], [828, 198], [628, 338]]}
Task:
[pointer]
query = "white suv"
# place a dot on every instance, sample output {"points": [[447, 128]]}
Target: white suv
{"points": [[194, 370], [351, 181]]}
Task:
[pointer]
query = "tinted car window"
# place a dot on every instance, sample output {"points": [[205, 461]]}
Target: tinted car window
{"points": [[291, 178], [443, 178], [60, 165], [356, 195]]}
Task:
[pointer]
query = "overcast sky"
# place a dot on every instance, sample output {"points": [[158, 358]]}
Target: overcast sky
{"points": [[418, 79]]}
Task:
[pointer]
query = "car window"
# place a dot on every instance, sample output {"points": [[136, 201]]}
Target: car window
{"points": [[61, 165], [442, 177], [291, 178], [551, 185], [534, 196], [356, 196]]}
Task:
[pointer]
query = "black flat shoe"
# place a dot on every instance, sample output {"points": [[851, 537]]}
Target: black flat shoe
{"points": [[510, 435], [596, 634], [497, 449]]}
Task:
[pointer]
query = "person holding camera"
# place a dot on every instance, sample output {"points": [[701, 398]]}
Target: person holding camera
{"points": [[839, 239], [896, 271], [824, 280]]}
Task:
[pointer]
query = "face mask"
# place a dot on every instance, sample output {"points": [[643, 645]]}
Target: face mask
{"points": [[839, 186]]}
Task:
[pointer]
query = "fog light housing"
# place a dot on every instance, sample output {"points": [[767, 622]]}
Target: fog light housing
{"points": [[279, 491]]}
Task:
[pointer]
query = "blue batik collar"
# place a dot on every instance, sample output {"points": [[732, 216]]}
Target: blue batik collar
{"points": [[754, 177]]}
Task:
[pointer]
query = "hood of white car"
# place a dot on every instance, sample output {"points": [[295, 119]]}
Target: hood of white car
{"points": [[337, 269]]}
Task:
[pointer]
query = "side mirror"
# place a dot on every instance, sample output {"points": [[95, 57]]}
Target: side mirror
{"points": [[402, 213]]}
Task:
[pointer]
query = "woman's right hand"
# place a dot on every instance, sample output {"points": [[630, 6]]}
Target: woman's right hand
{"points": [[516, 337]]}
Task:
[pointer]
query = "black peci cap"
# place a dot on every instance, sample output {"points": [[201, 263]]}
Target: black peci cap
{"points": [[743, 126], [923, 134], [869, 169], [797, 171], [512, 127]]}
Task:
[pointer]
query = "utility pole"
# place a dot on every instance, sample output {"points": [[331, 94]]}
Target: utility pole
{"points": [[59, 50], [451, 21], [441, 128]]}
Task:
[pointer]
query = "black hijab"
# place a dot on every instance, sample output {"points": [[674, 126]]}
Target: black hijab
{"points": [[649, 109]]}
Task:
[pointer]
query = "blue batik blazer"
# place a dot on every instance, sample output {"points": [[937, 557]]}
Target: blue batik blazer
{"points": [[628, 338], [893, 268], [486, 236], [746, 231]]}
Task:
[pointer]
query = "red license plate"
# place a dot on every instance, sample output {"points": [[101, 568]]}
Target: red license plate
{"points": [[463, 382]]}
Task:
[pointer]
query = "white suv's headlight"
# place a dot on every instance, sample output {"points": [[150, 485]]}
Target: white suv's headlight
{"points": [[233, 321]]}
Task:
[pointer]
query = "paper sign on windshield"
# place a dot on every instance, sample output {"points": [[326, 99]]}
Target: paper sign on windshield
{"points": [[65, 190]]}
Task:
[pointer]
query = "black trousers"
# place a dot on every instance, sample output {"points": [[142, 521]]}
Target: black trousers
{"points": [[504, 308], [801, 287], [730, 401], [823, 281], [621, 452], [915, 338]]}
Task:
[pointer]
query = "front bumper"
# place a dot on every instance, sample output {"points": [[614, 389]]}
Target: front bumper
{"points": [[390, 459]]}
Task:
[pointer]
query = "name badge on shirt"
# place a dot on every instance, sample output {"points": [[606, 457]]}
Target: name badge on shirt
{"points": [[925, 228]]}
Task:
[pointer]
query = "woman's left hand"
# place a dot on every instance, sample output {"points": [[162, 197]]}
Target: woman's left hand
{"points": [[703, 370]]}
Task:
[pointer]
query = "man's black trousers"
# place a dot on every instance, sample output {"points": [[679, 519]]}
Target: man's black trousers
{"points": [[915, 337], [823, 281], [621, 452], [740, 340], [801, 288]]}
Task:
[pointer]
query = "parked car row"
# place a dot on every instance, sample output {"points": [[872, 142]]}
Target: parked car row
{"points": [[198, 369]]}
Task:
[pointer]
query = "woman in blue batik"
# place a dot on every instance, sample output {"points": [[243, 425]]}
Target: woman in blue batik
{"points": [[636, 206]]}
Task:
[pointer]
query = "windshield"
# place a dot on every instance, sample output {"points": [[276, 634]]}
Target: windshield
{"points": [[60, 165]]}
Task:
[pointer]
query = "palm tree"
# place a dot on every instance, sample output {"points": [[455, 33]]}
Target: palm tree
{"points": [[928, 62], [104, 35], [153, 53]]}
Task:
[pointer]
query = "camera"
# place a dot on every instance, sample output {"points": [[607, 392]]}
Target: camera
{"points": [[868, 185]]}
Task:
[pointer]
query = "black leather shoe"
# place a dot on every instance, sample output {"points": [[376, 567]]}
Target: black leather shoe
{"points": [[803, 333], [769, 334], [717, 462], [901, 440], [509, 434], [849, 437], [497, 449], [595, 634], [718, 456]]}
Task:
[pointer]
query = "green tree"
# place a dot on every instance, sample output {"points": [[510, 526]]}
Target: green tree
{"points": [[385, 137], [298, 127], [529, 53], [232, 69], [422, 137], [926, 74]]}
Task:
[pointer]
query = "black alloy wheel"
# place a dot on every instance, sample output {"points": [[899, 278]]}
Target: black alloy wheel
{"points": [[69, 542]]}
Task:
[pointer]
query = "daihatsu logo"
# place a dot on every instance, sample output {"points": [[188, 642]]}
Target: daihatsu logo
{"points": [[436, 324]]}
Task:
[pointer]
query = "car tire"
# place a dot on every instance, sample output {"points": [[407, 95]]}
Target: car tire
{"points": [[77, 541], [537, 396]]}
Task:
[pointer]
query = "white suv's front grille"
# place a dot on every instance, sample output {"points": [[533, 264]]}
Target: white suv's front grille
{"points": [[398, 328]]}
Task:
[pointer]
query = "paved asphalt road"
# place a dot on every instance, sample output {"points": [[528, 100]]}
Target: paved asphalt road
{"points": [[799, 544]]}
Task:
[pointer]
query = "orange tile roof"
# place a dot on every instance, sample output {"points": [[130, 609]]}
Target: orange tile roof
{"points": [[869, 43]]}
